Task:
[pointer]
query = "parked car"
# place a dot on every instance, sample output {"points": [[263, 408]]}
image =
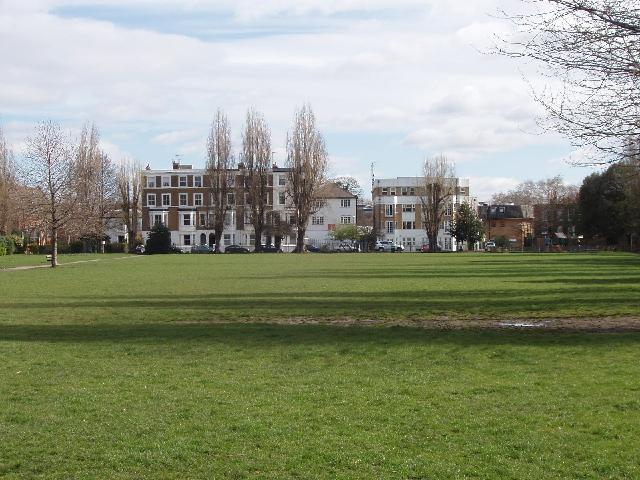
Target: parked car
{"points": [[268, 248], [175, 249], [235, 249], [425, 248], [388, 246], [345, 247], [140, 249], [489, 245], [202, 249], [313, 248]]}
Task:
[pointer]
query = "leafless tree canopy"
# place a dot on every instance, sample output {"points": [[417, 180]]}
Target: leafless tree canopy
{"points": [[7, 187], [545, 191], [593, 48], [307, 163], [130, 190], [256, 156], [96, 187], [437, 190], [49, 167], [219, 163]]}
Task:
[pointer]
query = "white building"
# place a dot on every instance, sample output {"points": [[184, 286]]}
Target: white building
{"points": [[397, 211]]}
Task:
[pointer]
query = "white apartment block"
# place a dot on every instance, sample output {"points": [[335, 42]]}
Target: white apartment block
{"points": [[397, 211]]}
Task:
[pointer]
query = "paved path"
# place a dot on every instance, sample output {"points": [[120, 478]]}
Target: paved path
{"points": [[48, 265]]}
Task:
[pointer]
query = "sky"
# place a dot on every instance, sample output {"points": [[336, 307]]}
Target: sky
{"points": [[391, 82]]}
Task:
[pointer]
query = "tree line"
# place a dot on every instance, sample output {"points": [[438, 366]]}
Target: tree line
{"points": [[73, 186]]}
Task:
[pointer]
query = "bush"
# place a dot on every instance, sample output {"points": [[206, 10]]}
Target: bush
{"points": [[76, 247], [159, 240], [34, 247], [7, 244], [3, 252], [116, 247]]}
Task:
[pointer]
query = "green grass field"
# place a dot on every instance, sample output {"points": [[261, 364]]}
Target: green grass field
{"points": [[118, 368]]}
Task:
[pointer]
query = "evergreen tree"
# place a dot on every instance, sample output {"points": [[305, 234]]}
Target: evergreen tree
{"points": [[159, 240]]}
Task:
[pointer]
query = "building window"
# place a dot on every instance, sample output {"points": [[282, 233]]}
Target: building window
{"points": [[151, 199], [346, 219], [160, 218], [203, 219], [448, 210], [282, 180], [166, 199], [463, 190], [404, 190], [197, 181], [227, 239], [183, 181], [502, 224], [410, 207], [385, 191], [409, 242], [282, 198], [151, 182], [231, 199], [197, 199], [389, 210], [345, 202], [493, 224], [317, 220], [409, 225], [392, 191], [247, 217], [186, 219], [183, 199], [320, 204], [390, 227], [447, 226], [166, 181], [412, 191], [186, 239], [447, 243]]}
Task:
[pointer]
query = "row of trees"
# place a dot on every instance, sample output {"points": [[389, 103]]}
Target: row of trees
{"points": [[66, 185], [307, 165]]}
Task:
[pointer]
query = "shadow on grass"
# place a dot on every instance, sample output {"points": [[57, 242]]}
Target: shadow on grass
{"points": [[283, 335]]}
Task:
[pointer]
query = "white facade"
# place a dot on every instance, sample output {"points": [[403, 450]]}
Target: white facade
{"points": [[397, 212]]}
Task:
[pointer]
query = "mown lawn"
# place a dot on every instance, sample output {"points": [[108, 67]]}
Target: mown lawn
{"points": [[174, 288], [117, 369]]}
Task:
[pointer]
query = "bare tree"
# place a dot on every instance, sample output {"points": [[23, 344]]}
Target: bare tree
{"points": [[307, 165], [49, 167], [96, 187], [256, 157], [130, 189], [220, 162], [349, 184], [593, 48], [277, 227], [548, 190], [437, 190], [7, 187]]}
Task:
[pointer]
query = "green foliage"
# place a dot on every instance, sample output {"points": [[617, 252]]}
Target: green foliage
{"points": [[8, 244], [467, 226], [159, 241], [345, 231], [117, 247], [502, 241], [3, 251], [609, 204], [76, 247], [34, 247]]}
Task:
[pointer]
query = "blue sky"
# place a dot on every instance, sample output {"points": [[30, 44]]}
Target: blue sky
{"points": [[390, 82]]}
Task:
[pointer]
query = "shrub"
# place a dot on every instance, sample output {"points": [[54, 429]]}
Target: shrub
{"points": [[76, 247], [8, 245], [19, 242], [3, 252], [159, 240], [34, 247], [116, 247]]}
